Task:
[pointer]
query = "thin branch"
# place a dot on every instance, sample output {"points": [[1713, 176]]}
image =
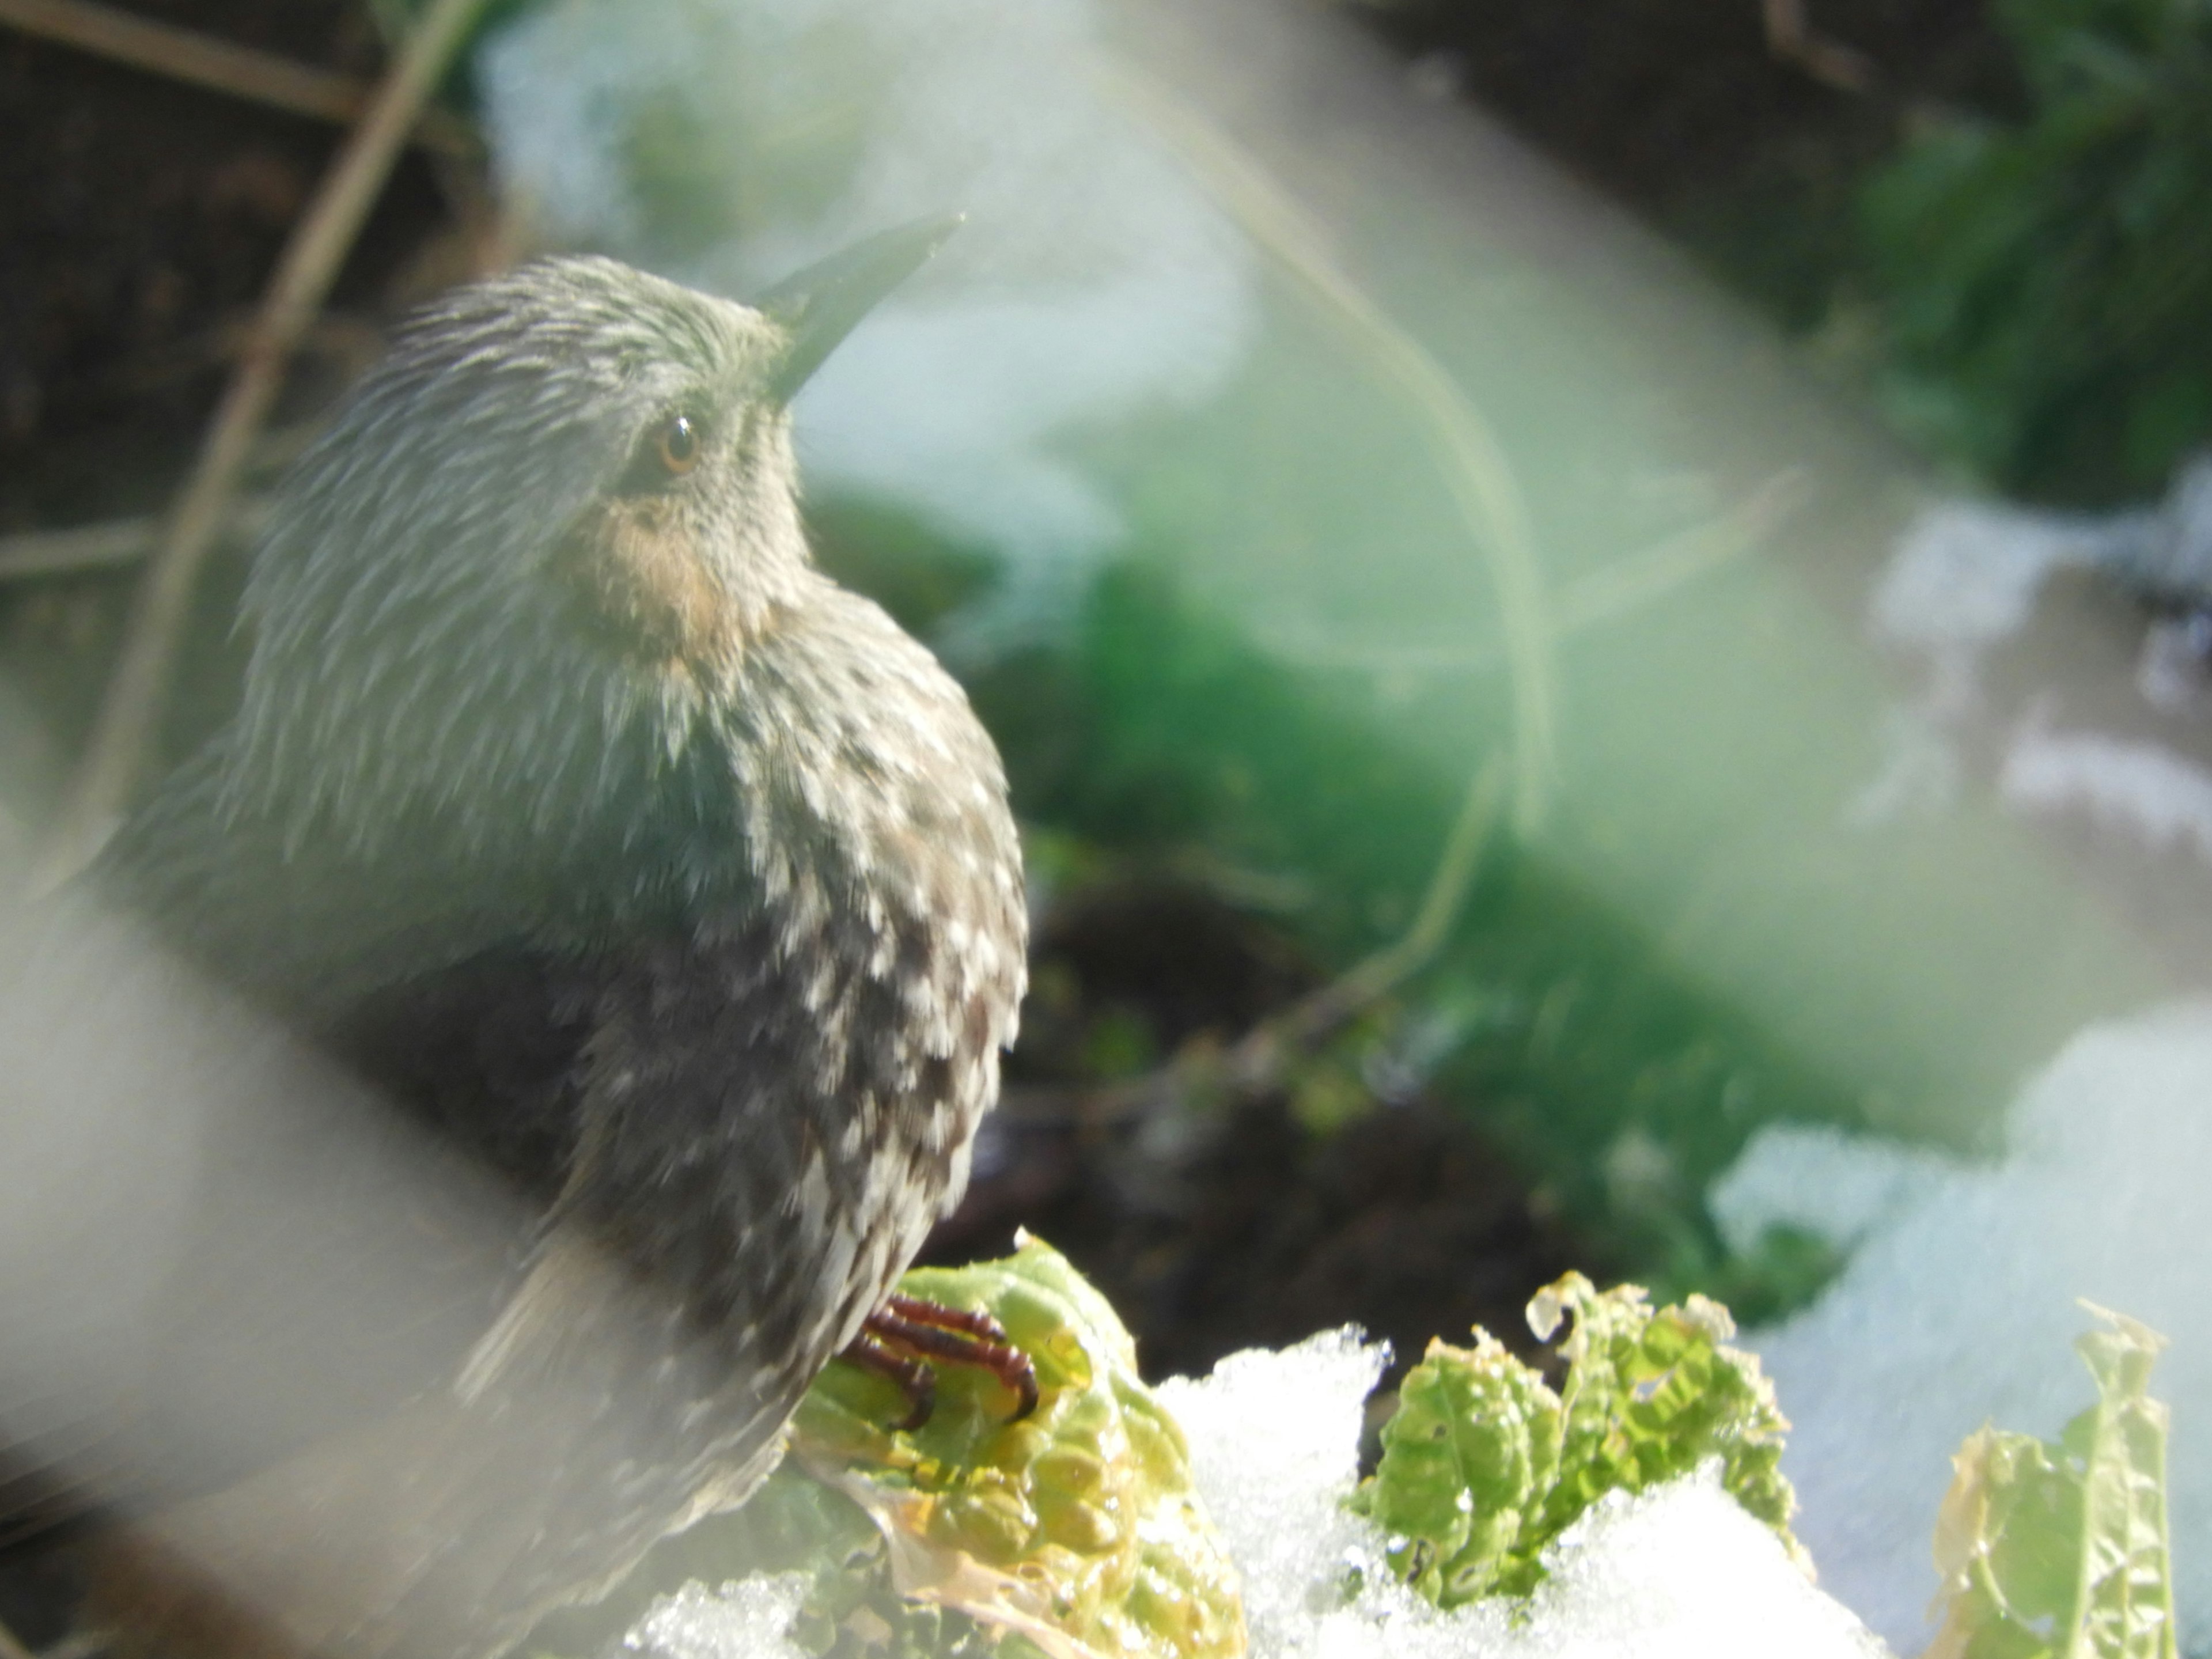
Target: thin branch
{"points": [[1257, 1060], [12, 1646], [1625, 587], [1791, 38], [109, 545], [187, 55], [318, 246], [1473, 461]]}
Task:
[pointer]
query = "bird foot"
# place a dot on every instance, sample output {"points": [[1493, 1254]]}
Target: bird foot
{"points": [[900, 1338]]}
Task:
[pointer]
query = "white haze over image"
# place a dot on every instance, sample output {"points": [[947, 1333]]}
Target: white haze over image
{"points": [[1092, 280], [1959, 1304], [1680, 1572]]}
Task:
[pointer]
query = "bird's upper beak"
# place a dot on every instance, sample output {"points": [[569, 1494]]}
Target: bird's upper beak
{"points": [[822, 304]]}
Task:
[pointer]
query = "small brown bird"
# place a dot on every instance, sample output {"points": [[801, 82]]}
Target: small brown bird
{"points": [[571, 806]]}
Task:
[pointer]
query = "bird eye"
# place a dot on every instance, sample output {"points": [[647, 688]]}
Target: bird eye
{"points": [[677, 443]]}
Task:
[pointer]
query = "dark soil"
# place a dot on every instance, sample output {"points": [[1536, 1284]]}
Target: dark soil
{"points": [[139, 221]]}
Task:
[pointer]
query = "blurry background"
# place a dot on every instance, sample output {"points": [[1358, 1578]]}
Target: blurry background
{"points": [[1598, 613]]}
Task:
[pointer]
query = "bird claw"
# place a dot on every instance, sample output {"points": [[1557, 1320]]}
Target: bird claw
{"points": [[900, 1338]]}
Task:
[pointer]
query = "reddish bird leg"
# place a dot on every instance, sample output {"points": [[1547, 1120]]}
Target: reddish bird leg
{"points": [[900, 1338], [912, 1377]]}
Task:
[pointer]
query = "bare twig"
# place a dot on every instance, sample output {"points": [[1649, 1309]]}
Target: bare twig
{"points": [[241, 71], [310, 263], [1473, 461], [1258, 1059], [1791, 38], [106, 546], [1625, 587]]}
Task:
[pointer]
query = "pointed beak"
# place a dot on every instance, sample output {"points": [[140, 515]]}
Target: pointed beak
{"points": [[823, 303]]}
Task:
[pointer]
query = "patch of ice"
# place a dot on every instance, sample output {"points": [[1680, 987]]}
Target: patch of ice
{"points": [[1919, 775], [1959, 1307], [1965, 575], [748, 1619]]}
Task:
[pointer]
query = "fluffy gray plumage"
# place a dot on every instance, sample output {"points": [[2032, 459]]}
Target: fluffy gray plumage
{"points": [[572, 805]]}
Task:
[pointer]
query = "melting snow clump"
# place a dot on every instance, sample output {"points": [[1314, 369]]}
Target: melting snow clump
{"points": [[1680, 1570], [742, 1620]]}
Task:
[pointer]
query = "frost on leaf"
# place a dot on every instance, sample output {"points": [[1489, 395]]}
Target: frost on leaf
{"points": [[1483, 1465]]}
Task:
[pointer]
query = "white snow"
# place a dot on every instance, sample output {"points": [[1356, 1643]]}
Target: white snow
{"points": [[742, 1620], [1680, 1572], [1965, 573], [1959, 1307], [1822, 1180], [1962, 578], [2145, 791]]}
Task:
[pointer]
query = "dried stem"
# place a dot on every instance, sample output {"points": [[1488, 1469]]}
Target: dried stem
{"points": [[1791, 38], [1312, 1017], [1471, 459], [241, 71], [1259, 1058], [105, 546], [318, 246]]}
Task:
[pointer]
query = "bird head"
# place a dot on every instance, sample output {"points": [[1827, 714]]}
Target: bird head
{"points": [[551, 522]]}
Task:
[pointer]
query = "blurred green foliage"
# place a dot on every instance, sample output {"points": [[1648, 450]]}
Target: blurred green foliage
{"points": [[1150, 732], [2046, 285], [1619, 1086]]}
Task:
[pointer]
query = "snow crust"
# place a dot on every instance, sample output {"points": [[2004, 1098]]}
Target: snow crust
{"points": [[1959, 1307], [1680, 1572]]}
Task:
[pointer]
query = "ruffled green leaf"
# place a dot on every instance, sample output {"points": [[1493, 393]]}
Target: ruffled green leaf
{"points": [[2052, 1549], [1483, 1465]]}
